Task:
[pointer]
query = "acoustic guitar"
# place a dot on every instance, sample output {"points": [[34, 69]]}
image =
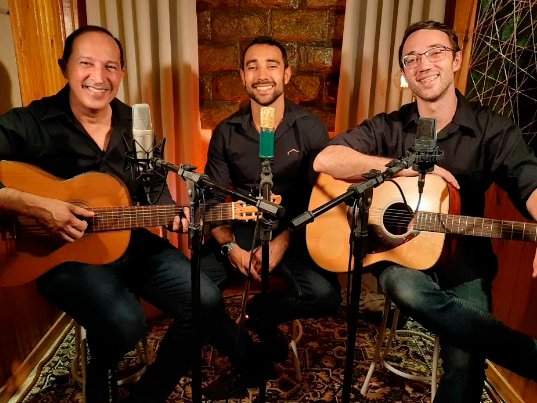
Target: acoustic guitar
{"points": [[28, 251], [396, 235]]}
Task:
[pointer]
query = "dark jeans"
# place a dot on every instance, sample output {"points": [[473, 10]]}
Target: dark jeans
{"points": [[104, 299], [311, 293], [469, 334]]}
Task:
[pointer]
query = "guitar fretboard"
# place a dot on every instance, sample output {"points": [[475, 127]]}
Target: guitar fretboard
{"points": [[485, 227], [118, 218]]}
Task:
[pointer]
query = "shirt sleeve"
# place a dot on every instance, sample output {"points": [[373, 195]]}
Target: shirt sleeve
{"points": [[217, 167], [12, 135], [513, 162], [367, 138]]}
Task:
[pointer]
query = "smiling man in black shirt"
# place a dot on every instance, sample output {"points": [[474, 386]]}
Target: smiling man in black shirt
{"points": [[81, 129], [480, 147], [233, 157]]}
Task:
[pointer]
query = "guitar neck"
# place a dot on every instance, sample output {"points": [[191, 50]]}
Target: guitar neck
{"points": [[476, 226], [120, 218]]}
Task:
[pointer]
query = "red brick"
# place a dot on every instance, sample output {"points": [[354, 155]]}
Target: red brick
{"points": [[305, 26], [203, 4], [204, 25], [239, 25], [206, 86], [321, 59], [303, 88], [218, 57], [338, 27], [229, 87], [327, 4], [331, 84], [213, 112], [270, 3]]}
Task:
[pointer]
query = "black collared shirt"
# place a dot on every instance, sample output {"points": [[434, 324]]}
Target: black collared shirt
{"points": [[233, 156], [480, 147], [46, 134]]}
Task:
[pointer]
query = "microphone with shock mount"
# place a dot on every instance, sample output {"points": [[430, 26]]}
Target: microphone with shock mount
{"points": [[142, 149], [425, 152]]}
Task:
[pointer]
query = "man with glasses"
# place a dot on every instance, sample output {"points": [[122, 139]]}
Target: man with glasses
{"points": [[452, 299]]}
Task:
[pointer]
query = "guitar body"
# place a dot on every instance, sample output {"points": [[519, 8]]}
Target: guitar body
{"points": [[26, 255], [391, 237]]}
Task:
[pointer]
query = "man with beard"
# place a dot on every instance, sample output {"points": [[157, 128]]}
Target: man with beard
{"points": [[233, 156], [453, 299]]}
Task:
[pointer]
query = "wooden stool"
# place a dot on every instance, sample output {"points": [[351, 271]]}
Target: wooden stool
{"points": [[275, 283], [80, 360], [381, 356]]}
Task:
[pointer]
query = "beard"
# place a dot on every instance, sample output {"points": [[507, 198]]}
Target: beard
{"points": [[268, 99]]}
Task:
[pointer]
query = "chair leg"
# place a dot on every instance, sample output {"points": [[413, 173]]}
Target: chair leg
{"points": [[296, 335], [378, 346], [434, 373]]}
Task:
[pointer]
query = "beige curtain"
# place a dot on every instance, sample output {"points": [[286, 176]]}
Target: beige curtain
{"points": [[160, 39], [371, 39]]}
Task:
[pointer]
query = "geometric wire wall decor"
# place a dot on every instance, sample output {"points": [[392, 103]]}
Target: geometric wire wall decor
{"points": [[503, 70]]}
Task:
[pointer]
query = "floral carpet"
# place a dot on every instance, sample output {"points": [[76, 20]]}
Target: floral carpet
{"points": [[322, 356]]}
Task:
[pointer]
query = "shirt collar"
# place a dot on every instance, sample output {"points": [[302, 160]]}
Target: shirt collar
{"points": [[464, 115], [60, 106]]}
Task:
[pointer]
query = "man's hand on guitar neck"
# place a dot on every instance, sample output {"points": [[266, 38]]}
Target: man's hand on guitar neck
{"points": [[180, 223]]}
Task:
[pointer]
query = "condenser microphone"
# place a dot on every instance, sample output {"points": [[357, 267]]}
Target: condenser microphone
{"points": [[426, 152], [143, 136], [266, 137]]}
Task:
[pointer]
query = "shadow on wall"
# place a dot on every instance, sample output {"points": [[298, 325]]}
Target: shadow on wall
{"points": [[5, 90]]}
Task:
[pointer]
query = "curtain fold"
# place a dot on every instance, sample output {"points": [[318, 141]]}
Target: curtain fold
{"points": [[369, 56], [160, 40]]}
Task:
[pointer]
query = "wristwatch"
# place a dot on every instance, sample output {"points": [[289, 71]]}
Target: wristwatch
{"points": [[226, 249]]}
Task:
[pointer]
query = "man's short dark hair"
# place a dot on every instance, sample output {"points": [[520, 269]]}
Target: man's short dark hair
{"points": [[432, 26], [265, 40], [68, 47]]}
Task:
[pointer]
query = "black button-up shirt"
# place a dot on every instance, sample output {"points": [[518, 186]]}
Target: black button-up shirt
{"points": [[480, 147], [233, 156], [47, 135]]}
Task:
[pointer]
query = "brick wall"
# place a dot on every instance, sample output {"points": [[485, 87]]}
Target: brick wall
{"points": [[310, 30]]}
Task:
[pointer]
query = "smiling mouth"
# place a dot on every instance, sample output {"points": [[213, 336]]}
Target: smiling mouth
{"points": [[428, 79], [264, 87], [96, 90]]}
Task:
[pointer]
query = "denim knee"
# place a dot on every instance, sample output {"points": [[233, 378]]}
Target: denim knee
{"points": [[406, 288]]}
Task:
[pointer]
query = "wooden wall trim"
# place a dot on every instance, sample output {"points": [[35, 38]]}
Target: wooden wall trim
{"points": [[34, 358], [464, 24], [39, 49]]}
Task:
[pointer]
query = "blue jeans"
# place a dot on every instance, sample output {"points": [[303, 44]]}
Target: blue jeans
{"points": [[104, 299], [311, 293], [468, 332]]}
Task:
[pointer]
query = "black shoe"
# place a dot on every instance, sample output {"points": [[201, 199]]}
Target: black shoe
{"points": [[101, 385], [278, 347], [230, 384]]}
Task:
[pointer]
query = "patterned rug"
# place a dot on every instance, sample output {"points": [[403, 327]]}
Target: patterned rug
{"points": [[322, 355]]}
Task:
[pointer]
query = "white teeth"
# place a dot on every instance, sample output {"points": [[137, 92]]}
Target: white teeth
{"points": [[264, 87], [96, 89], [426, 80]]}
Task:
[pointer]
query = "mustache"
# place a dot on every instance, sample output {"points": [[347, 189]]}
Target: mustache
{"points": [[91, 83]]}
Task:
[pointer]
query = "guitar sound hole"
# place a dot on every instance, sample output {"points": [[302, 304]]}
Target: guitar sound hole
{"points": [[397, 219]]}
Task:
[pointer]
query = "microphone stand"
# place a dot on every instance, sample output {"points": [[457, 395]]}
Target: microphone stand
{"points": [[267, 226], [197, 183], [362, 193]]}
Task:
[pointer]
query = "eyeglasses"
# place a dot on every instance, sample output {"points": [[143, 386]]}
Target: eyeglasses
{"points": [[435, 54]]}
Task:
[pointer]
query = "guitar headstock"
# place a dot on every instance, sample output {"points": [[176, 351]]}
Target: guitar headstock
{"points": [[246, 212]]}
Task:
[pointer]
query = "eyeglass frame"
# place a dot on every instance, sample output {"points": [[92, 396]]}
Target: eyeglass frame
{"points": [[419, 55]]}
